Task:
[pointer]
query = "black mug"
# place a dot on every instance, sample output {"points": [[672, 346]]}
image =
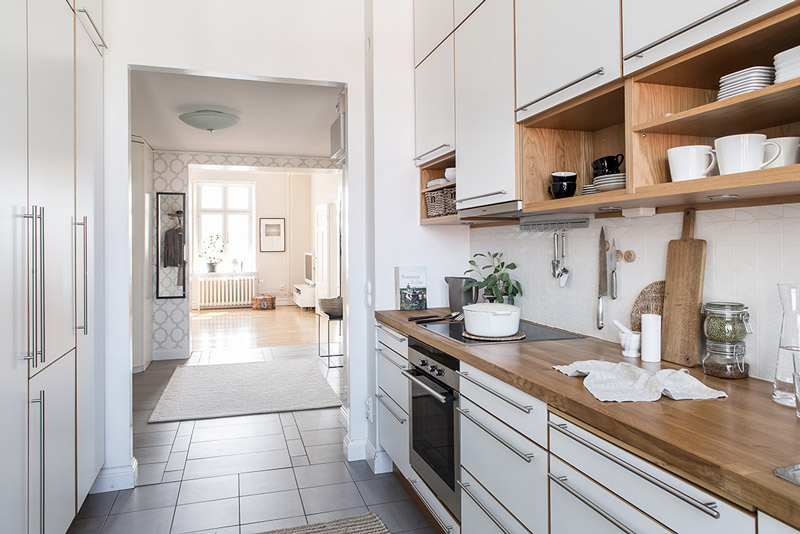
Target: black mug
{"points": [[607, 165], [562, 189]]}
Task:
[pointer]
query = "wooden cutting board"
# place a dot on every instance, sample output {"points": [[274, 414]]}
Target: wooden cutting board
{"points": [[683, 296]]}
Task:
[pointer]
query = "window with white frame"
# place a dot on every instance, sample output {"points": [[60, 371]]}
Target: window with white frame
{"points": [[227, 210]]}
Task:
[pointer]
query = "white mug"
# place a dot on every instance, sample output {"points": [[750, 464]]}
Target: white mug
{"points": [[743, 153], [691, 162], [789, 153]]}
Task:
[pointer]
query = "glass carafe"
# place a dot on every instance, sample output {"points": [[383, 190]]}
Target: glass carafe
{"points": [[783, 385]]}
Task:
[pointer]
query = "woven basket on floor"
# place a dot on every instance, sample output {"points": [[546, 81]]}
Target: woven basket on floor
{"points": [[441, 202]]}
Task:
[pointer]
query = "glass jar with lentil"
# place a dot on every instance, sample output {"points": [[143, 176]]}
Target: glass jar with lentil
{"points": [[726, 322], [725, 360]]}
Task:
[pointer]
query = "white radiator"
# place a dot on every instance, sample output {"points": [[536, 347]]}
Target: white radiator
{"points": [[225, 290]]}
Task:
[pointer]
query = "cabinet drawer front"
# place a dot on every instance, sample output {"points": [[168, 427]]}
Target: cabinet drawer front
{"points": [[525, 414], [389, 378], [675, 503], [393, 432], [483, 514], [578, 505], [493, 453], [395, 341], [769, 525], [440, 513]]}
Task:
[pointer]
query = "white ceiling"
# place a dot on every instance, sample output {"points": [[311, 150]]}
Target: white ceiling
{"points": [[275, 118]]}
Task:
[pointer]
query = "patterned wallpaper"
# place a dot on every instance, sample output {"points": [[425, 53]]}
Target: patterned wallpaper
{"points": [[750, 250], [171, 174]]}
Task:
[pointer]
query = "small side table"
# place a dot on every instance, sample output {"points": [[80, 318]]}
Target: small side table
{"points": [[320, 315]]}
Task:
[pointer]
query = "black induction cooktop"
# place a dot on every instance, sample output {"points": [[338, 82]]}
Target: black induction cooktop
{"points": [[532, 331]]}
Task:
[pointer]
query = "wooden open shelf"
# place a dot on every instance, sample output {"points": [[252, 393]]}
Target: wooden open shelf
{"points": [[431, 171], [447, 219]]}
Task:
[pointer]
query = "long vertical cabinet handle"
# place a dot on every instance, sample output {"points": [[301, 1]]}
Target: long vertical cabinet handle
{"points": [[85, 226], [42, 284], [40, 402], [31, 277]]}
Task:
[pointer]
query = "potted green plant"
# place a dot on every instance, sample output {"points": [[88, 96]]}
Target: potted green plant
{"points": [[495, 279], [212, 252]]}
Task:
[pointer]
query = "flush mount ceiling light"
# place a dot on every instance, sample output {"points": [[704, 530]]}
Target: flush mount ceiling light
{"points": [[206, 119]]}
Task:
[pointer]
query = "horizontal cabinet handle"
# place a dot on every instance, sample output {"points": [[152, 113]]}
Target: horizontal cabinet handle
{"points": [[562, 481], [431, 151], [389, 333], [524, 455], [501, 192], [706, 508], [512, 402], [446, 528], [465, 488], [698, 22], [389, 409], [599, 71], [379, 351], [103, 43]]}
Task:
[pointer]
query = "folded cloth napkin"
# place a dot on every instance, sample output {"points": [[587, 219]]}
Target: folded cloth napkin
{"points": [[623, 382]]}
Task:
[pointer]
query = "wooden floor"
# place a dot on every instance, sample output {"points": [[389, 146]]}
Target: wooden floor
{"points": [[245, 328]]}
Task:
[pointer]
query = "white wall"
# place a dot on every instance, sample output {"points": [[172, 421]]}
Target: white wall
{"points": [[750, 250], [399, 238], [301, 39]]}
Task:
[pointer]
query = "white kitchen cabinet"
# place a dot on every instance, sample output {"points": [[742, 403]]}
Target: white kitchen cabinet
{"points": [[463, 8], [653, 30], [90, 13], [392, 339], [511, 467], [89, 205], [670, 500], [481, 513], [436, 508], [769, 525], [142, 242], [435, 107], [393, 431], [578, 506], [544, 77], [51, 443], [51, 173], [485, 128], [433, 22], [390, 378], [14, 241]]}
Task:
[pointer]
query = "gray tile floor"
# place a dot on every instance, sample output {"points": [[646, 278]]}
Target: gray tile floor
{"points": [[243, 475]]}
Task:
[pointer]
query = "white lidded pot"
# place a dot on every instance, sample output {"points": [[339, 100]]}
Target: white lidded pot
{"points": [[491, 319]]}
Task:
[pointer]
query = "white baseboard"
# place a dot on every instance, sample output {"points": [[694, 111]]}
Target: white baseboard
{"points": [[116, 478], [378, 461], [172, 354], [354, 449]]}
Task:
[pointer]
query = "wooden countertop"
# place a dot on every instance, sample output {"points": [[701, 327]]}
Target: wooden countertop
{"points": [[729, 446]]}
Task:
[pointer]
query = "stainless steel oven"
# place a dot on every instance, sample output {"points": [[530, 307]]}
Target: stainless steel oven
{"points": [[434, 430]]}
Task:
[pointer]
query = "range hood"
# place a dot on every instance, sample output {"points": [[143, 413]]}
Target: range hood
{"points": [[511, 209]]}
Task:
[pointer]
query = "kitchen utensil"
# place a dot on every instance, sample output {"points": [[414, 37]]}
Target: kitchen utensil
{"points": [[602, 278], [651, 338], [649, 300], [613, 269], [743, 153], [491, 319], [683, 295], [554, 265], [448, 317], [564, 176], [457, 296], [691, 162], [562, 189], [421, 317], [789, 346], [607, 165], [563, 271], [622, 328], [789, 153]]}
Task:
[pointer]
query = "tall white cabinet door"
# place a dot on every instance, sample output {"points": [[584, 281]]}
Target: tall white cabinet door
{"points": [[463, 8], [89, 203], [94, 11], [485, 129], [542, 70], [51, 442], [51, 168], [435, 108], [653, 30], [14, 234], [433, 21]]}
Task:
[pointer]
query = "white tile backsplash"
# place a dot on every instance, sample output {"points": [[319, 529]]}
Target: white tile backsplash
{"points": [[750, 251]]}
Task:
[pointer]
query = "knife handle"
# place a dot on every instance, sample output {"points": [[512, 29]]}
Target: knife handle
{"points": [[600, 323], [613, 285]]}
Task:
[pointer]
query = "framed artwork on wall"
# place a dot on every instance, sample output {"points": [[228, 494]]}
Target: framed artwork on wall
{"points": [[272, 235]]}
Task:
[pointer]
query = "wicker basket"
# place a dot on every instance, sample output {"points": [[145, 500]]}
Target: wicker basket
{"points": [[441, 202]]}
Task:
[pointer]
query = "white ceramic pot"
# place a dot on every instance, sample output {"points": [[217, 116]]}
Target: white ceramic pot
{"points": [[489, 319]]}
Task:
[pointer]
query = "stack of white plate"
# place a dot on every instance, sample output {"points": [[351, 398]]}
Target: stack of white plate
{"points": [[610, 182], [744, 81], [787, 65], [589, 190]]}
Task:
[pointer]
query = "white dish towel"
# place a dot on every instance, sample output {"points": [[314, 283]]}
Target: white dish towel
{"points": [[623, 382]]}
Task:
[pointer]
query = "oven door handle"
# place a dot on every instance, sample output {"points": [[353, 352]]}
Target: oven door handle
{"points": [[442, 398]]}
